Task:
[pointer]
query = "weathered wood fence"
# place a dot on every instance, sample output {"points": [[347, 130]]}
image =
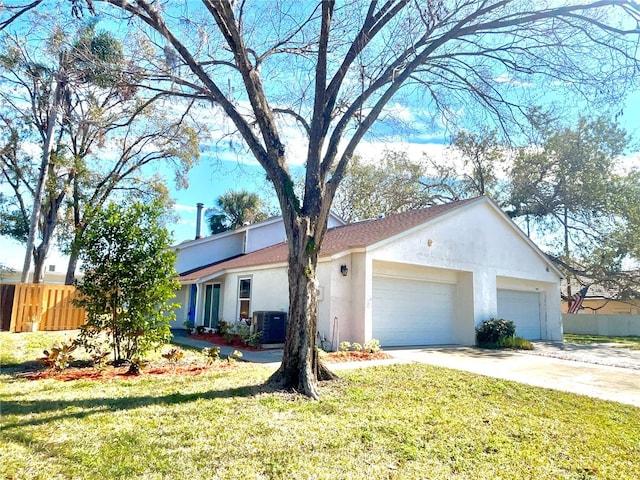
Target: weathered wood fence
{"points": [[45, 307]]}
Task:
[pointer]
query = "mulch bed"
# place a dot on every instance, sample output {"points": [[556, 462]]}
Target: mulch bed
{"points": [[217, 339], [339, 357], [110, 373]]}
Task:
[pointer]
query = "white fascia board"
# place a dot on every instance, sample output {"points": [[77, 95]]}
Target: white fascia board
{"points": [[343, 253], [228, 233]]}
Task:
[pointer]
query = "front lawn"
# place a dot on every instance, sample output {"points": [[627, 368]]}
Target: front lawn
{"points": [[627, 342], [403, 422]]}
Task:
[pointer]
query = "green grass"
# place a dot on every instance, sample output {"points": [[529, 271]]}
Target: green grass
{"points": [[628, 342], [18, 348], [399, 422]]}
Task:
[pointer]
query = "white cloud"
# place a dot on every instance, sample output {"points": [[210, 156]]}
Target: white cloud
{"points": [[399, 112], [509, 80], [184, 208]]}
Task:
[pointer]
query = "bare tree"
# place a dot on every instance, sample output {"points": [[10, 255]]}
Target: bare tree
{"points": [[104, 135], [334, 67]]}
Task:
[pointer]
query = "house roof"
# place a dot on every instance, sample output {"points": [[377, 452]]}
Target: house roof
{"points": [[337, 239], [215, 237]]}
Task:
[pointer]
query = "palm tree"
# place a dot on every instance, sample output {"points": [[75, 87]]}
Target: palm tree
{"points": [[235, 210]]}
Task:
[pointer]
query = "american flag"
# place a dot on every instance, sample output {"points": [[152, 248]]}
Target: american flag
{"points": [[576, 300]]}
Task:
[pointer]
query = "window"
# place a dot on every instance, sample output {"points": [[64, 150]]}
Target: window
{"points": [[244, 298], [52, 268]]}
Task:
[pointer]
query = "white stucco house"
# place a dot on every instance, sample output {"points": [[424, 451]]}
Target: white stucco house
{"points": [[423, 277]]}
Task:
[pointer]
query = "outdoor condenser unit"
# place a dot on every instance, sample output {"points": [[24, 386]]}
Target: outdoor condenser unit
{"points": [[273, 326]]}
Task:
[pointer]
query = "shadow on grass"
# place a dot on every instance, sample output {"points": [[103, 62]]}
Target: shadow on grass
{"points": [[101, 405]]}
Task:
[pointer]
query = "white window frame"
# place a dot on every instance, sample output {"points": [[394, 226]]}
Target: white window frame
{"points": [[243, 299]]}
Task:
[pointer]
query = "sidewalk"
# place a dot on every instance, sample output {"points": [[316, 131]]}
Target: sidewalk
{"points": [[256, 356]]}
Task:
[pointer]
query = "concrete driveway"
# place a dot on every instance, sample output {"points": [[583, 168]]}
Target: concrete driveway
{"points": [[599, 381]]}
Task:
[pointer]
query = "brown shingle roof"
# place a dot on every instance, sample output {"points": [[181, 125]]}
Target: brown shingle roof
{"points": [[337, 239]]}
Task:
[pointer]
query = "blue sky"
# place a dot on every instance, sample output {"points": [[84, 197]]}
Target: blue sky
{"points": [[219, 172]]}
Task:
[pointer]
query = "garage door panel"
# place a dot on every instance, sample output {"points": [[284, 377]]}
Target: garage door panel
{"points": [[523, 308], [411, 312]]}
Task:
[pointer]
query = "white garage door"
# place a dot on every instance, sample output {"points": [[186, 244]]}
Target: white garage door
{"points": [[411, 312], [523, 308]]}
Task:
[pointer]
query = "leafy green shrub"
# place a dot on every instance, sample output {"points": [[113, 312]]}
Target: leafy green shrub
{"points": [[212, 354], [99, 357], [129, 280], [248, 338], [174, 355], [59, 356], [372, 346], [227, 331], [490, 331]]}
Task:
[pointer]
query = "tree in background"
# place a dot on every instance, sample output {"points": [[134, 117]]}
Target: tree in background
{"points": [[482, 156], [335, 68], [129, 278], [370, 189], [235, 210], [573, 191], [105, 133], [397, 183]]}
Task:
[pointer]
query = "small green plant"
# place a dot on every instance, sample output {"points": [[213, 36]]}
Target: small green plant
{"points": [[99, 359], [227, 331], [188, 325], [237, 354], [200, 329], [248, 338], [60, 355], [372, 346], [212, 354], [489, 332], [135, 365], [344, 346], [356, 347], [174, 355]]}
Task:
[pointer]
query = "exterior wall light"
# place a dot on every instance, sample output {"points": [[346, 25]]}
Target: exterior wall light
{"points": [[430, 242], [344, 270]]}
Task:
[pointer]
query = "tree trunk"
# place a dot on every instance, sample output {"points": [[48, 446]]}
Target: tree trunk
{"points": [[301, 368], [40, 188], [71, 267]]}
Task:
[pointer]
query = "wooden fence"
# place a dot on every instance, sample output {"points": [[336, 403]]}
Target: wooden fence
{"points": [[38, 306]]}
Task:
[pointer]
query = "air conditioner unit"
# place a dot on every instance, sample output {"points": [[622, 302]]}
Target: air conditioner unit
{"points": [[273, 326]]}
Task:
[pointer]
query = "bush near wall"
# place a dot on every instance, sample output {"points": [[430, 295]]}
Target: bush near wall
{"points": [[500, 333]]}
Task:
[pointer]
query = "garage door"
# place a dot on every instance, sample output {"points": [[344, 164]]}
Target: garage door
{"points": [[523, 308], [411, 312]]}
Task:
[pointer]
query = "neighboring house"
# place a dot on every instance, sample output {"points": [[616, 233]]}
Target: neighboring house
{"points": [[422, 277], [52, 275], [599, 301], [604, 306]]}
